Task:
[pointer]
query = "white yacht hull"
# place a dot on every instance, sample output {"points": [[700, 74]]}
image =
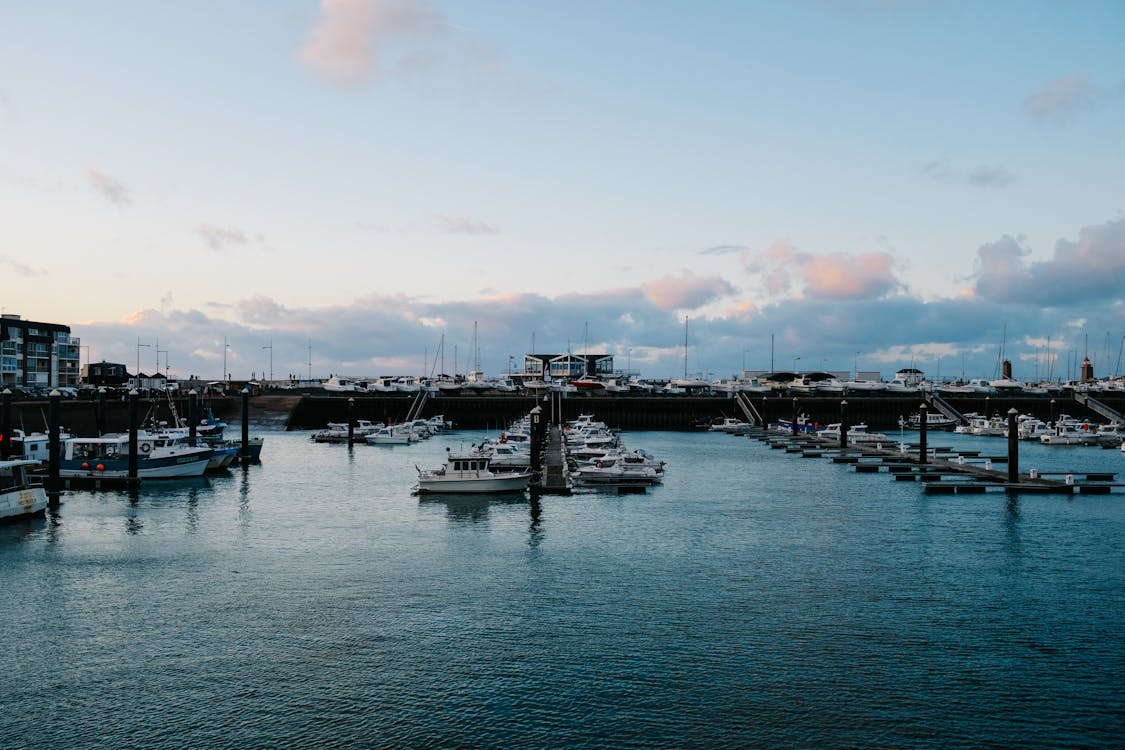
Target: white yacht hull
{"points": [[496, 482]]}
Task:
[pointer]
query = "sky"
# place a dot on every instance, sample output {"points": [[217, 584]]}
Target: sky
{"points": [[357, 186]]}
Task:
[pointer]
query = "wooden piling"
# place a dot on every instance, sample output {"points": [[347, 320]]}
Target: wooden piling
{"points": [[5, 424], [193, 415], [244, 452], [53, 457], [133, 396], [922, 450], [1013, 448]]}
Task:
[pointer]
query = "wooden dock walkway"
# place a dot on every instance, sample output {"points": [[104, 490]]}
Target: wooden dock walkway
{"points": [[944, 471], [553, 479]]}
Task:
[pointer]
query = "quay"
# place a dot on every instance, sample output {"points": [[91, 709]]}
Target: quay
{"points": [[285, 410]]}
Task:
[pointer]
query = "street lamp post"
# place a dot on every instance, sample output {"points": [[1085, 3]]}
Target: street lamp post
{"points": [[226, 348], [138, 374], [270, 347]]}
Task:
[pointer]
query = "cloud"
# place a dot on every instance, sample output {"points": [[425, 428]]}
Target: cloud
{"points": [[983, 177], [841, 276], [18, 268], [783, 268], [686, 291], [109, 188], [1091, 269], [465, 225], [220, 238], [991, 177], [351, 37], [722, 250], [1060, 98]]}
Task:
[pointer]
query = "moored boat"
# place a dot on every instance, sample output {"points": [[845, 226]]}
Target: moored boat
{"points": [[108, 456], [18, 498], [464, 474]]}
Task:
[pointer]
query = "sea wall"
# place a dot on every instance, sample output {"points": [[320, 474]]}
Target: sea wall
{"points": [[629, 412]]}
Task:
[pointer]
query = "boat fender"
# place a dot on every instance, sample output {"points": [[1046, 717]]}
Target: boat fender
{"points": [[145, 447]]}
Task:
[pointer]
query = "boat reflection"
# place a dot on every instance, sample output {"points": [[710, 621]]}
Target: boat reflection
{"points": [[472, 508]]}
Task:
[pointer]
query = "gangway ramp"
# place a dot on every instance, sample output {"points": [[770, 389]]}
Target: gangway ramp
{"points": [[748, 410], [943, 406], [1094, 405]]}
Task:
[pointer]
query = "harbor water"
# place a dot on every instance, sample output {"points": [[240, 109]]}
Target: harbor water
{"points": [[755, 599]]}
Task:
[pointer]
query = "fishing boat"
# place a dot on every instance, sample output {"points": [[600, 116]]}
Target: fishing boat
{"points": [[18, 498], [470, 473], [158, 457]]}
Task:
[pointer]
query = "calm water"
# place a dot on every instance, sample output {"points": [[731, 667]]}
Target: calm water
{"points": [[757, 599]]}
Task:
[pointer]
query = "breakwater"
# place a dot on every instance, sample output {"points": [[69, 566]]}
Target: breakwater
{"points": [[629, 412]]}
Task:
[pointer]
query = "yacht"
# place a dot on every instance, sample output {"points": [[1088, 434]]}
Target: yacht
{"points": [[470, 473], [337, 384]]}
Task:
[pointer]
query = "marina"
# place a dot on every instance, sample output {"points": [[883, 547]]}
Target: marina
{"points": [[720, 605]]}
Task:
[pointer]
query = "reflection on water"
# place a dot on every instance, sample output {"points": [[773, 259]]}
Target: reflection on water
{"points": [[473, 508], [535, 530], [244, 515], [793, 604]]}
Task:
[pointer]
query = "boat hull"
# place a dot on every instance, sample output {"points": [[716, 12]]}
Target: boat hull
{"points": [[22, 502], [498, 483], [158, 468]]}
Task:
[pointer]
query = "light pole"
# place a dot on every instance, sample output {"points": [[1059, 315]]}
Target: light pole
{"points": [[226, 347], [270, 347], [139, 345], [795, 361]]}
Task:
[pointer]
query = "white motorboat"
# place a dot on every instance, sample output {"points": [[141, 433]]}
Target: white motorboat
{"points": [[934, 421], [731, 426], [391, 435], [18, 498], [472, 473], [506, 455], [857, 434], [362, 427], [995, 426], [1069, 433], [158, 457], [337, 384], [617, 471], [861, 386]]}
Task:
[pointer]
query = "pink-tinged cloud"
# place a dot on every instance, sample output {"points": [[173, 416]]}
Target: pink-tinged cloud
{"points": [[850, 277], [350, 34], [1058, 98], [785, 269], [112, 190], [686, 291]]}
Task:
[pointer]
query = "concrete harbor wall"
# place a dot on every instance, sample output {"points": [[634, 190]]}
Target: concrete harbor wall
{"points": [[628, 412]]}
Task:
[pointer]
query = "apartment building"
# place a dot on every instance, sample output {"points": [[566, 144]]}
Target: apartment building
{"points": [[36, 354]]}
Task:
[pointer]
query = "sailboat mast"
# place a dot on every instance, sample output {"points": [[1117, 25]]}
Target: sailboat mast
{"points": [[685, 346]]}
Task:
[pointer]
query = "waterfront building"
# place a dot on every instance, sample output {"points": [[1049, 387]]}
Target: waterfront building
{"points": [[565, 366], [108, 374], [35, 354]]}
